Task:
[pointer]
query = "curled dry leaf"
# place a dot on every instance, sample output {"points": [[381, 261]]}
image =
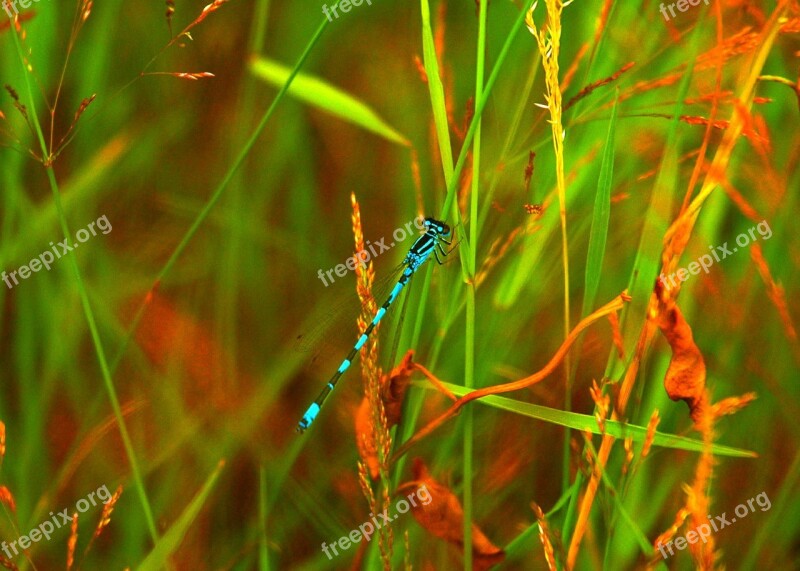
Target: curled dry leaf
{"points": [[443, 517], [686, 376], [393, 392]]}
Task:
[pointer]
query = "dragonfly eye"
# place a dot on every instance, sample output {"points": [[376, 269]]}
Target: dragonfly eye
{"points": [[439, 227]]}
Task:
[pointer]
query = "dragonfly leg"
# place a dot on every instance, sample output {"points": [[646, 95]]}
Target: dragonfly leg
{"points": [[450, 251]]}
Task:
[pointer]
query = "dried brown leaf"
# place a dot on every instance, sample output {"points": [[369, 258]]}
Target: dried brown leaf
{"points": [[686, 376], [444, 518]]}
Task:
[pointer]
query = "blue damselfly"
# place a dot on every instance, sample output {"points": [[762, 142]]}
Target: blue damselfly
{"points": [[436, 233]]}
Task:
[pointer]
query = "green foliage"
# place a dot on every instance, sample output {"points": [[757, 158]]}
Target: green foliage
{"points": [[148, 356]]}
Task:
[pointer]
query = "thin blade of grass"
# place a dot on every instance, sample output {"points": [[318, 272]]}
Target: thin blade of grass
{"points": [[437, 93], [600, 217], [324, 96], [586, 422], [172, 539], [594, 257], [411, 413], [220, 189], [87, 309], [469, 341], [263, 511]]}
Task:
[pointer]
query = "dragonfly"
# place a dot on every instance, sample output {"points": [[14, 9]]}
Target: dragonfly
{"points": [[430, 242]]}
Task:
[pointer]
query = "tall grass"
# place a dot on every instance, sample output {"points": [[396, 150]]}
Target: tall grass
{"points": [[224, 142]]}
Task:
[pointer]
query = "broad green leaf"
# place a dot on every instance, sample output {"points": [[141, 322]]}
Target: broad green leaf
{"points": [[322, 95]]}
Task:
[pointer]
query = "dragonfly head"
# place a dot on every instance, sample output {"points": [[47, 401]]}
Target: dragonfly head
{"points": [[437, 226]]}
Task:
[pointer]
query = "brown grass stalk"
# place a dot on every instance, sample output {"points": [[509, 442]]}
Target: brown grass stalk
{"points": [[675, 242], [371, 377]]}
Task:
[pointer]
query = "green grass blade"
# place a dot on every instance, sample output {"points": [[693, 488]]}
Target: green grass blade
{"points": [[437, 93], [638, 535], [585, 422], [594, 257], [600, 217], [322, 95], [172, 539], [220, 189], [88, 311], [263, 511], [407, 428], [659, 212], [469, 341], [479, 107]]}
